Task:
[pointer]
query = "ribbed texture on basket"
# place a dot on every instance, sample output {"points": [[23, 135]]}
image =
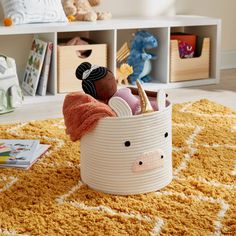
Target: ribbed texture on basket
{"points": [[106, 162]]}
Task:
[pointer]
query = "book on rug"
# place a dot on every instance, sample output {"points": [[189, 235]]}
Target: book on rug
{"points": [[44, 76], [34, 66], [20, 153], [39, 152]]}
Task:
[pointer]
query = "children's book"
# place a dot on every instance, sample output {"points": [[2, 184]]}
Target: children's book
{"points": [[44, 76], [14, 152], [42, 148], [34, 67]]}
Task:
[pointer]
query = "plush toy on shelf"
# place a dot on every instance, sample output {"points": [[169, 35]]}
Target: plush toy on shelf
{"points": [[69, 7], [83, 10], [139, 58]]}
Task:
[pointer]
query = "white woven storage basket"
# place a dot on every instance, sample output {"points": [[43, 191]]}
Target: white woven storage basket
{"points": [[129, 155]]}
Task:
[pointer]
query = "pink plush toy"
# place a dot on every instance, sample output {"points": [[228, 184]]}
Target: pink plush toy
{"points": [[76, 41], [185, 50], [79, 41], [133, 101]]}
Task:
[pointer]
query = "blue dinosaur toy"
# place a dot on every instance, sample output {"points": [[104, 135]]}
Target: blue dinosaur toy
{"points": [[139, 59]]}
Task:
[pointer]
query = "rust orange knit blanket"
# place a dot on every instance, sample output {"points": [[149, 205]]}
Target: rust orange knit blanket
{"points": [[82, 112]]}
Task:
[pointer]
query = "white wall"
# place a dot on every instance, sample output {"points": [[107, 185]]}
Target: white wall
{"points": [[224, 9], [139, 7]]}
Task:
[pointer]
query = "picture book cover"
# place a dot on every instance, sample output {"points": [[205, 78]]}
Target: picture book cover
{"points": [[42, 148], [17, 151], [34, 66], [45, 73]]}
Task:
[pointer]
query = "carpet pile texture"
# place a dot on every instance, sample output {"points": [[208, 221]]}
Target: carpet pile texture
{"points": [[50, 199]]}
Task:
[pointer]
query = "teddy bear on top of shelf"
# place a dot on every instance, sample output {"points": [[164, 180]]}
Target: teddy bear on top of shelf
{"points": [[82, 10]]}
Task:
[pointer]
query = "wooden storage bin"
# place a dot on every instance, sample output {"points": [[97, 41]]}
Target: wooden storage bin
{"points": [[68, 61], [182, 69]]}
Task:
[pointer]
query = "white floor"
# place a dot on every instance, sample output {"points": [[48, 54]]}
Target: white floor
{"points": [[223, 93]]}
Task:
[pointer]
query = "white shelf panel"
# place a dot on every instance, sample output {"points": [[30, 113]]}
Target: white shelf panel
{"points": [[116, 23], [159, 85]]}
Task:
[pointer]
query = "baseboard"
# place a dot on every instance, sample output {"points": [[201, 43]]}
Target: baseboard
{"points": [[228, 59]]}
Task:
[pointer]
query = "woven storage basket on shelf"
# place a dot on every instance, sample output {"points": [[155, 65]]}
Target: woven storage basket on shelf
{"points": [[129, 155]]}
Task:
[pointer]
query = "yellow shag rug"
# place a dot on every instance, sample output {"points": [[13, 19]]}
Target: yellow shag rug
{"points": [[49, 199]]}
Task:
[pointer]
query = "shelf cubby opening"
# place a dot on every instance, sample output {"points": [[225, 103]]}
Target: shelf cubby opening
{"points": [[159, 65]]}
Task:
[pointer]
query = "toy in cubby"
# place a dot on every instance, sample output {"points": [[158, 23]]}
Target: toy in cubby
{"points": [[189, 57], [125, 144], [124, 70], [123, 73], [137, 57], [186, 43]]}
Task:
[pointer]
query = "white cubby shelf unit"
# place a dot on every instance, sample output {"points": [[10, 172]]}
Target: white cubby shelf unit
{"points": [[15, 41]]}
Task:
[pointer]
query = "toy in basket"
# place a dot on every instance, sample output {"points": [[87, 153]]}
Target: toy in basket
{"points": [[121, 154]]}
